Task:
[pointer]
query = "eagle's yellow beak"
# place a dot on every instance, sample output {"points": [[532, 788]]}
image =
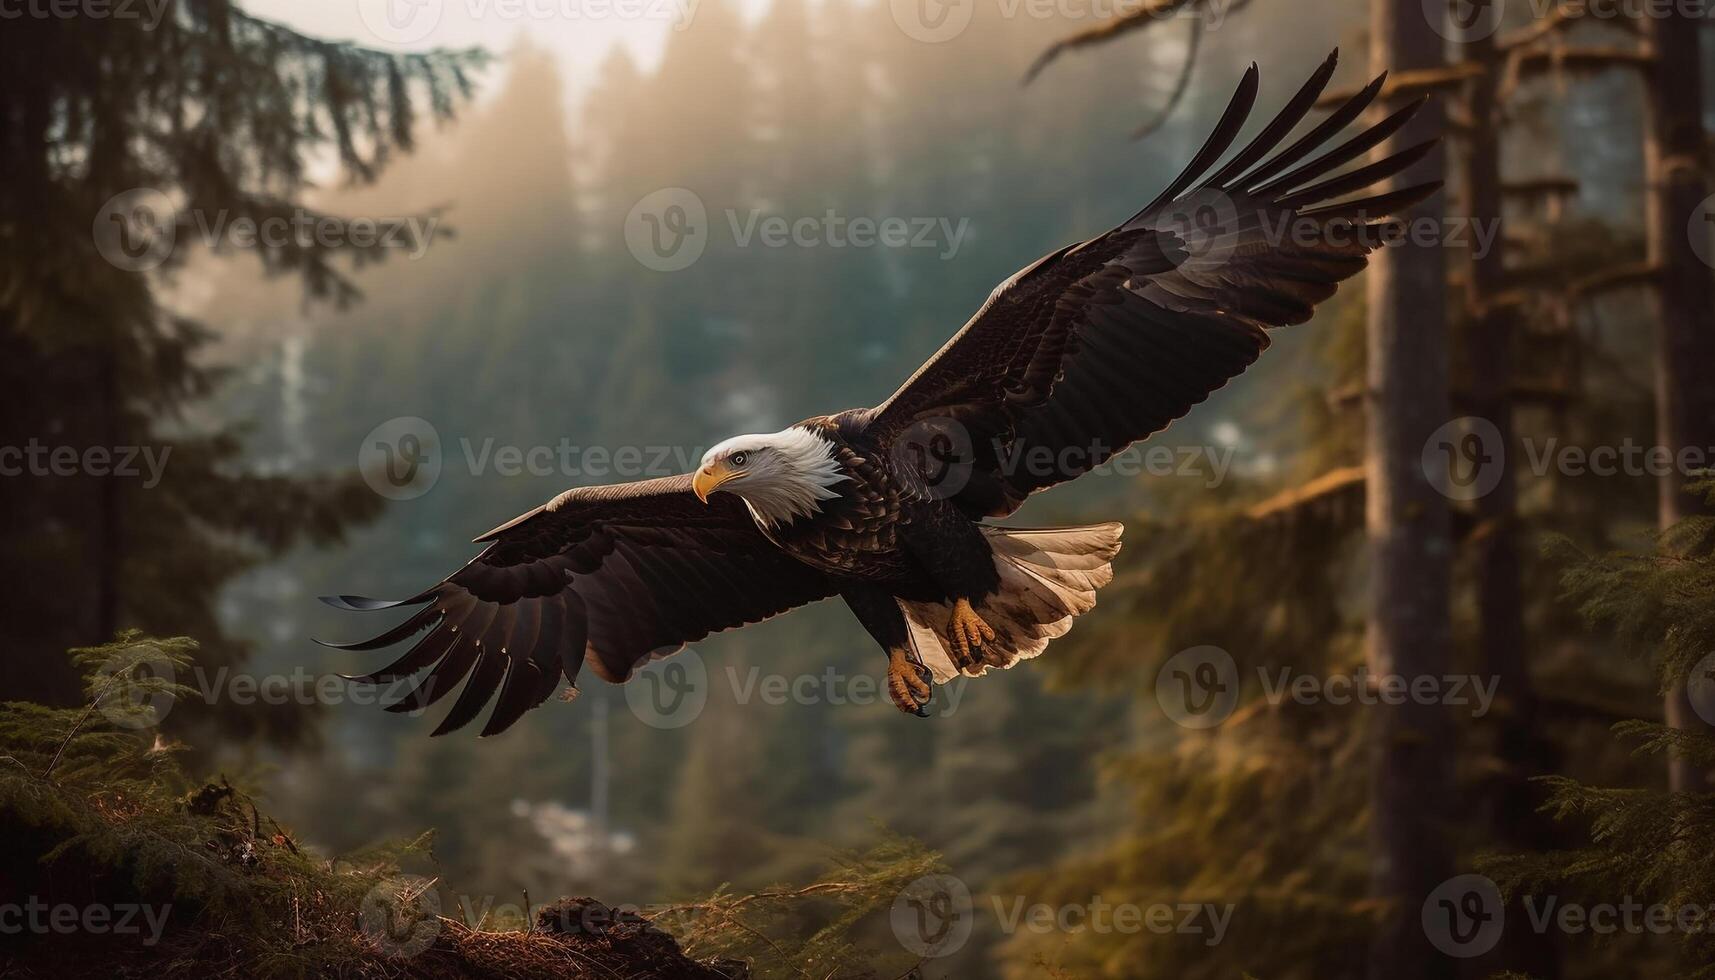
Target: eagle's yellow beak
{"points": [[709, 478]]}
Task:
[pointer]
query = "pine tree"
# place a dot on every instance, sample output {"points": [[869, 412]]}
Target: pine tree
{"points": [[1647, 844], [116, 135]]}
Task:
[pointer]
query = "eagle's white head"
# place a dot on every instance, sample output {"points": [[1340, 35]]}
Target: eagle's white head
{"points": [[780, 476]]}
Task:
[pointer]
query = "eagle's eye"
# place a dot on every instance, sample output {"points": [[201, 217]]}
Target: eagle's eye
{"points": [[738, 459]]}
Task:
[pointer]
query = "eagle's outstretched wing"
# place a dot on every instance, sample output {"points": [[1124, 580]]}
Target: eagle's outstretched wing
{"points": [[612, 575], [1102, 343]]}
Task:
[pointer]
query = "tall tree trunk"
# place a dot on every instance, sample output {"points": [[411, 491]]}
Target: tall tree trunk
{"points": [[1407, 522], [1685, 336], [1502, 643]]}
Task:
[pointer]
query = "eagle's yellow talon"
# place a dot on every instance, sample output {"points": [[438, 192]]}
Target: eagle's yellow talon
{"points": [[967, 632], [908, 683]]}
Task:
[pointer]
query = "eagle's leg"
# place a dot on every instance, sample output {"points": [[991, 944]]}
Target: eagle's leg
{"points": [[960, 562], [967, 632], [909, 683]]}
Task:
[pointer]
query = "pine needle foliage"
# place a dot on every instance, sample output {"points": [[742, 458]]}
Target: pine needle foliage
{"points": [[1644, 844], [821, 930], [96, 810]]}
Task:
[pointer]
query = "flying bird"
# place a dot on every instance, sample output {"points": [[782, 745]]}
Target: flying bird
{"points": [[1083, 352]]}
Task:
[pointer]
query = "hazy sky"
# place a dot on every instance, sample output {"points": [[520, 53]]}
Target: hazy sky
{"points": [[579, 32]]}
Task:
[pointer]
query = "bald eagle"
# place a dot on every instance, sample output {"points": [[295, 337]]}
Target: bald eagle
{"points": [[1069, 361]]}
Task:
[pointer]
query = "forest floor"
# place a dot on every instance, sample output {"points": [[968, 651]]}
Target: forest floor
{"points": [[102, 887]]}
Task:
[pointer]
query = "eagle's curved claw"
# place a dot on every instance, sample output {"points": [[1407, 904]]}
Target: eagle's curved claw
{"points": [[908, 683], [967, 633]]}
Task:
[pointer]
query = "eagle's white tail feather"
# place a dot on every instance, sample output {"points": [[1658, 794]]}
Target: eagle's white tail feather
{"points": [[1048, 577]]}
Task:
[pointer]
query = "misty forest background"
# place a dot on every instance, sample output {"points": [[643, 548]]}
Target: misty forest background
{"points": [[1059, 781]]}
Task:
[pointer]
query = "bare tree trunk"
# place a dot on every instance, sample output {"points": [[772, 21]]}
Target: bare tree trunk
{"points": [[1407, 521], [1502, 643], [1685, 338]]}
